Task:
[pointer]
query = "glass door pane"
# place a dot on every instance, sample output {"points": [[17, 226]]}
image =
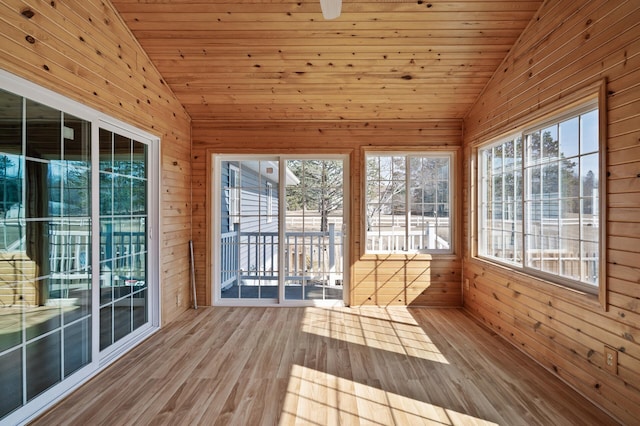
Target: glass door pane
{"points": [[249, 229], [45, 250], [314, 241], [124, 298]]}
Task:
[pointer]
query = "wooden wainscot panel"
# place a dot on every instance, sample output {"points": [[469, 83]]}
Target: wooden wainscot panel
{"points": [[415, 280]]}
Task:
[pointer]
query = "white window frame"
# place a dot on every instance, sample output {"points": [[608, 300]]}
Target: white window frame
{"points": [[216, 191], [585, 105], [408, 154]]}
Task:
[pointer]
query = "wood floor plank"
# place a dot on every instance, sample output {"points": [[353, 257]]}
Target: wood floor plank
{"points": [[346, 366]]}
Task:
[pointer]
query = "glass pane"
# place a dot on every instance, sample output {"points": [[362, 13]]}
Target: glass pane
{"points": [[77, 141], [589, 174], [122, 148], [569, 177], [590, 262], [122, 318], [77, 346], [106, 326], [77, 191], [589, 132], [550, 255], [550, 181], [313, 244], [535, 183], [496, 166], [139, 196], [570, 258], [550, 148], [11, 124], [106, 150], [534, 150], [570, 218], [139, 160], [140, 309], [106, 194], [43, 364], [122, 196], [569, 142], [534, 252], [43, 126], [11, 185], [10, 381], [508, 154], [534, 213]]}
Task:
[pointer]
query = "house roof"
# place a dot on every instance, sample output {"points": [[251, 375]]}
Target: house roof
{"points": [[281, 60]]}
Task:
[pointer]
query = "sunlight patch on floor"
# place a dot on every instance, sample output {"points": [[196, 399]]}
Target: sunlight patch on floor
{"points": [[388, 329], [317, 398]]}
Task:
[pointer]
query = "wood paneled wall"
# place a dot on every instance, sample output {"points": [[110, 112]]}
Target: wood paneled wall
{"points": [[567, 46], [379, 280], [84, 51]]}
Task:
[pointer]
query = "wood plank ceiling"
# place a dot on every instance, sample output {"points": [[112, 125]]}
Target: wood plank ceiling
{"points": [[280, 60]]}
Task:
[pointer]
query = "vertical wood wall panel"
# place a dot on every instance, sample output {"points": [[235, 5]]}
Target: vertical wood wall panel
{"points": [[381, 280], [569, 45], [84, 51]]}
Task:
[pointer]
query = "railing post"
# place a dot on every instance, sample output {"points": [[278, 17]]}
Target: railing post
{"points": [[432, 236], [332, 246]]}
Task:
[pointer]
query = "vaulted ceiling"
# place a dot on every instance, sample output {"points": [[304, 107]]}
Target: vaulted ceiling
{"points": [[280, 60]]}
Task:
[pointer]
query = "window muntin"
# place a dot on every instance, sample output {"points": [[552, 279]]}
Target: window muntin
{"points": [[234, 196], [548, 220], [269, 196], [408, 202]]}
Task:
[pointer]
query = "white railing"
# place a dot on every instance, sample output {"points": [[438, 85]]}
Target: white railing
{"points": [[309, 256]]}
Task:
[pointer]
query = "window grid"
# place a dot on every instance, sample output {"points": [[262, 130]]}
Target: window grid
{"points": [[408, 198], [551, 181]]}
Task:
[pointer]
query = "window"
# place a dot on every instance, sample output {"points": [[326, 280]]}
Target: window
{"points": [[539, 199], [408, 202]]}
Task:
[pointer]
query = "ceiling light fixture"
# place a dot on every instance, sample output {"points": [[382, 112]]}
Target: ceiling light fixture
{"points": [[330, 8]]}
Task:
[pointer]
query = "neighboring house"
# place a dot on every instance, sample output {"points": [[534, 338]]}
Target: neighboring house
{"points": [[249, 221]]}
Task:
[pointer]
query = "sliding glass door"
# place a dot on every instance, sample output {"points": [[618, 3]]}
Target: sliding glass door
{"points": [[280, 228], [123, 236], [76, 284]]}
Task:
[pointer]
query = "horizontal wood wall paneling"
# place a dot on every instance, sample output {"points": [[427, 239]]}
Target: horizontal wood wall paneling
{"points": [[607, 326], [85, 52], [591, 55], [71, 61], [565, 369], [567, 47], [322, 112], [401, 279]]}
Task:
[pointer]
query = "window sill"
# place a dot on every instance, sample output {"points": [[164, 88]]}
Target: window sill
{"points": [[572, 295], [408, 256]]}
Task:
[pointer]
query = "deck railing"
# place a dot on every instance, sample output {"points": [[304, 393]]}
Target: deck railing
{"points": [[309, 256]]}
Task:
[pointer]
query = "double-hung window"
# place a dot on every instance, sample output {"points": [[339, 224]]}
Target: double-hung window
{"points": [[408, 200], [539, 198]]}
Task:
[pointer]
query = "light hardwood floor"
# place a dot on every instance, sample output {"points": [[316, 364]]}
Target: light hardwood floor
{"points": [[312, 366]]}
